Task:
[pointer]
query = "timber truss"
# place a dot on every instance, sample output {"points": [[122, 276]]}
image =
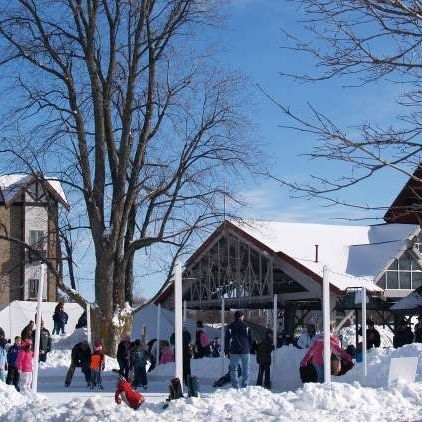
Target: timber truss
{"points": [[235, 268]]}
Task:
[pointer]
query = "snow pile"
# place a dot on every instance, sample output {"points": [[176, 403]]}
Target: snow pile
{"points": [[61, 359], [9, 398], [15, 316], [348, 336], [313, 402], [379, 365], [67, 342]]}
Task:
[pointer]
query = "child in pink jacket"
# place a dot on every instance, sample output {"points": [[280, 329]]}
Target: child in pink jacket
{"points": [[166, 355], [24, 365], [315, 355]]}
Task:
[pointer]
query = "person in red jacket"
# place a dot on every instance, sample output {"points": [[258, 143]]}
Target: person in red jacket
{"points": [[125, 392]]}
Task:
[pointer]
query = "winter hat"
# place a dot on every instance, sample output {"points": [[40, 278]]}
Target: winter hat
{"points": [[238, 314], [98, 345]]}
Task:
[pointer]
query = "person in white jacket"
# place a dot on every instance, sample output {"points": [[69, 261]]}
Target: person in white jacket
{"points": [[307, 337]]}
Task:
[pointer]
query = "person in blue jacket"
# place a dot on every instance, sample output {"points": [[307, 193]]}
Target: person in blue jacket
{"points": [[12, 369], [238, 341]]}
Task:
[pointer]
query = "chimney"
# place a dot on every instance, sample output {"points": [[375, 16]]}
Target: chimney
{"points": [[316, 253]]}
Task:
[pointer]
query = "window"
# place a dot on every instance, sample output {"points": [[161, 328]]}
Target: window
{"points": [[33, 288], [38, 240], [403, 273]]}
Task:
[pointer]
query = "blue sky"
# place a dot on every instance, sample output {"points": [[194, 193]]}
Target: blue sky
{"points": [[251, 43]]}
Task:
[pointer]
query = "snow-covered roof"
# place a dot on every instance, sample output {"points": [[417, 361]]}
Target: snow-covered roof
{"points": [[12, 184], [412, 302], [355, 255]]}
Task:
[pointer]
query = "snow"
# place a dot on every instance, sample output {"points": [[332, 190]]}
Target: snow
{"points": [[413, 302], [348, 398], [354, 254], [16, 316], [313, 402], [11, 184]]}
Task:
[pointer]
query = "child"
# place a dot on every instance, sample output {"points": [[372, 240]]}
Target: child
{"points": [[139, 361], [24, 365], [3, 359], [166, 355], [12, 357], [125, 392], [97, 365]]}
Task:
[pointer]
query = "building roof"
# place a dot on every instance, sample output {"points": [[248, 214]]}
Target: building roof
{"points": [[12, 185], [411, 304], [407, 207], [354, 255]]}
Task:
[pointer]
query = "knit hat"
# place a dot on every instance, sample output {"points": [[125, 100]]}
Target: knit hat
{"points": [[238, 314]]}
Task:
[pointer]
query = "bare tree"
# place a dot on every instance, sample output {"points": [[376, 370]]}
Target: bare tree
{"points": [[112, 97], [361, 41]]}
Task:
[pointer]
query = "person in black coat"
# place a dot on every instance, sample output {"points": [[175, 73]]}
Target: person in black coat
{"points": [[124, 350], [26, 333], [263, 359], [418, 330], [45, 342], [60, 318], [80, 357], [373, 338], [186, 351], [238, 342], [403, 336]]}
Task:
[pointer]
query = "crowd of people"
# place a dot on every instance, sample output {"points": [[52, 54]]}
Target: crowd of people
{"points": [[136, 357]]}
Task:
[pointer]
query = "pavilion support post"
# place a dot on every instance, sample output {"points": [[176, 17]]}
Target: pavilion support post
{"points": [[357, 326], [178, 305], [38, 329], [223, 333], [157, 358], [275, 326], [363, 325], [185, 311], [326, 323]]}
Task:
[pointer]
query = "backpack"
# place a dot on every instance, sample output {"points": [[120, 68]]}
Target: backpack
{"points": [[139, 358], [175, 389], [193, 386]]}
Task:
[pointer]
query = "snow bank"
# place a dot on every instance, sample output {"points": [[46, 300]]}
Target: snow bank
{"points": [[379, 365], [62, 358], [16, 316], [314, 402], [68, 341]]}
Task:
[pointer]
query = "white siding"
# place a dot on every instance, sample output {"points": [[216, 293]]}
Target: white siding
{"points": [[36, 218]]}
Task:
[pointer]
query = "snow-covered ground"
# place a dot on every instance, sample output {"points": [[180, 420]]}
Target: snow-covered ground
{"points": [[313, 402], [348, 398]]}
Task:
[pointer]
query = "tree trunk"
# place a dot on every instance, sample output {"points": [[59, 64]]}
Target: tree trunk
{"points": [[109, 331]]}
